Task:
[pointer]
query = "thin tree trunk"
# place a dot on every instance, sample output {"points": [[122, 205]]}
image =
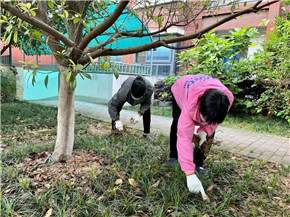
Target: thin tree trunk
{"points": [[65, 120]]}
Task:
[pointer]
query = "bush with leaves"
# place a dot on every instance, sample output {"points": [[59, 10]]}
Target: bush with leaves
{"points": [[272, 69], [218, 57]]}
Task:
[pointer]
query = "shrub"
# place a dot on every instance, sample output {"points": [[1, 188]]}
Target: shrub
{"points": [[219, 57], [274, 71]]}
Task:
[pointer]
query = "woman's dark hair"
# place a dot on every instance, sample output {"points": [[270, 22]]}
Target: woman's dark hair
{"points": [[214, 105], [138, 87]]}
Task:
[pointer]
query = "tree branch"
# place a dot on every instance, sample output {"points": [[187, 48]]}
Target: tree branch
{"points": [[155, 44], [104, 25], [226, 19], [80, 27], [103, 44], [173, 47], [35, 22]]}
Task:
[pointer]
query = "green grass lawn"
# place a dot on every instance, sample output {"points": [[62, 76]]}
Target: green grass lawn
{"points": [[123, 176], [257, 123]]}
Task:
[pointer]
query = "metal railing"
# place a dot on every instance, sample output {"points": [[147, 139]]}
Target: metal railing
{"points": [[121, 68], [5, 59]]}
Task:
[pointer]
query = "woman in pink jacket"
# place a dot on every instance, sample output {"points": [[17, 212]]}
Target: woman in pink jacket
{"points": [[198, 100]]}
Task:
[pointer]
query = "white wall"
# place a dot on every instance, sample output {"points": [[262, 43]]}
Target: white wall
{"points": [[259, 42], [118, 82]]}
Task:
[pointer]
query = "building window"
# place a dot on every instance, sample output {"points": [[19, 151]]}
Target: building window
{"points": [[160, 54]]}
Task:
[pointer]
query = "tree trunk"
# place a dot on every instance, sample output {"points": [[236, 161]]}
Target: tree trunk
{"points": [[65, 120]]}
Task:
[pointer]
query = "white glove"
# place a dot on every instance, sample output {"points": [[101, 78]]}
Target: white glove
{"points": [[202, 136], [195, 186], [119, 125], [136, 118]]}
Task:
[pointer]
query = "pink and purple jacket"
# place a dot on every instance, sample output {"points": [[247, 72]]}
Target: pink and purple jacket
{"points": [[187, 92]]}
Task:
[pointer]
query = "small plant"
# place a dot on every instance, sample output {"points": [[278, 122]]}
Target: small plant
{"points": [[24, 183]]}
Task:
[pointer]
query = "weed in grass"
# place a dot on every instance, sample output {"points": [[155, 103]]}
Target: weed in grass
{"points": [[7, 204]]}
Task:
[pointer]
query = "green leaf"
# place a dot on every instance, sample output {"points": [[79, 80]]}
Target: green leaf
{"points": [[15, 37], [33, 13], [46, 81], [50, 4], [92, 60], [28, 5], [183, 9], [68, 77], [254, 44], [116, 73], [8, 39], [245, 3], [76, 20], [19, 24], [72, 62], [86, 26], [73, 83], [66, 13], [4, 17], [8, 29], [37, 34], [24, 8], [105, 66], [160, 21], [87, 75]]}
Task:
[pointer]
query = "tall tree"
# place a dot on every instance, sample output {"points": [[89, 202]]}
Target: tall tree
{"points": [[68, 27]]}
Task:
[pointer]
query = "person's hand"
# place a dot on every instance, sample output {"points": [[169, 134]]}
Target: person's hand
{"points": [[119, 125], [136, 118], [202, 136], [194, 185]]}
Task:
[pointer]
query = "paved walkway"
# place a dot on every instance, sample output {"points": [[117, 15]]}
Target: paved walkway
{"points": [[256, 145]]}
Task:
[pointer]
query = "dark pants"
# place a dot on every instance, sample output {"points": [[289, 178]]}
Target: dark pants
{"points": [[199, 155], [146, 119]]}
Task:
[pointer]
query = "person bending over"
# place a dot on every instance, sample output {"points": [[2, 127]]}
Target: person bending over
{"points": [[134, 90], [198, 100]]}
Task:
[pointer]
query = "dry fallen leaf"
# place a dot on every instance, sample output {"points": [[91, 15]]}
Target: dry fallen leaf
{"points": [[67, 197], [100, 198], [205, 215], [138, 190], [233, 208], [118, 182], [48, 213], [40, 190], [47, 185], [210, 188], [42, 155], [133, 183], [156, 184], [32, 155]]}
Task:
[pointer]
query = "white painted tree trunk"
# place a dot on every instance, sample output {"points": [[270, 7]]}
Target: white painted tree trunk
{"points": [[65, 120]]}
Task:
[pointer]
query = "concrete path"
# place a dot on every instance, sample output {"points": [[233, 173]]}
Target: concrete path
{"points": [[256, 145]]}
